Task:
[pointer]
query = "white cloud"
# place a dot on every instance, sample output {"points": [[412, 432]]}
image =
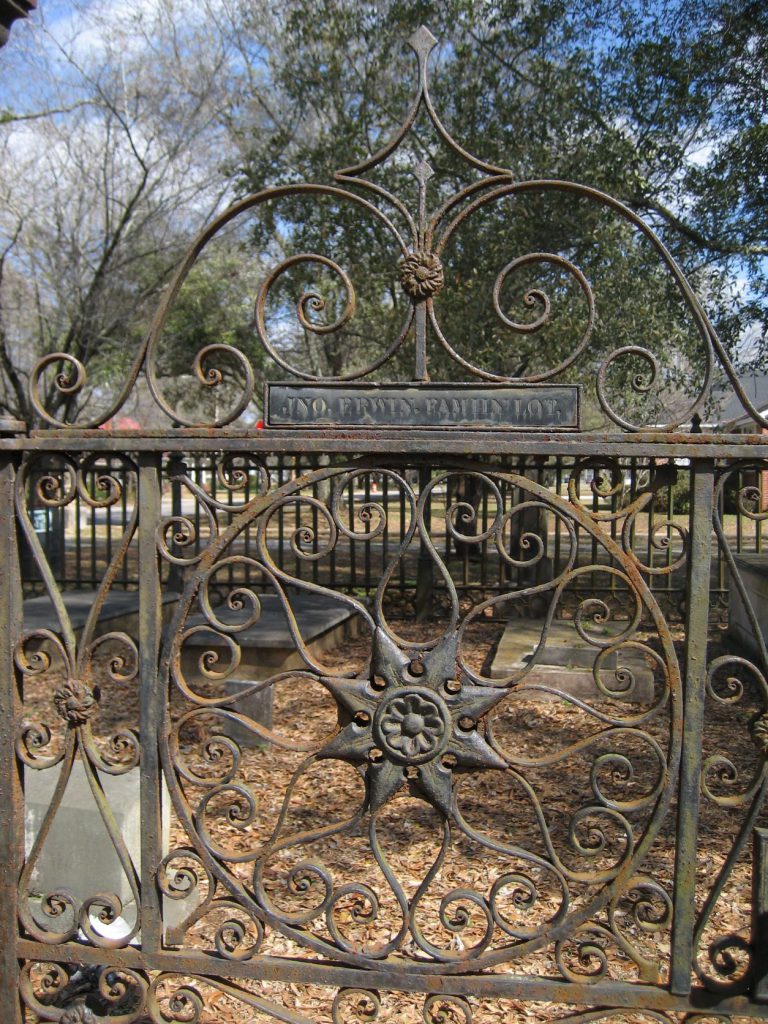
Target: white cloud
{"points": [[92, 30], [701, 156]]}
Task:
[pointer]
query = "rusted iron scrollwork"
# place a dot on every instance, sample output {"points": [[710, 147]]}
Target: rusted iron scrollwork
{"points": [[82, 665], [572, 896], [734, 779], [316, 842], [419, 719], [115, 994], [419, 248]]}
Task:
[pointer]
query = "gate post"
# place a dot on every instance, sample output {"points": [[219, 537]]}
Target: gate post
{"points": [[152, 700], [694, 697], [11, 787], [759, 936]]}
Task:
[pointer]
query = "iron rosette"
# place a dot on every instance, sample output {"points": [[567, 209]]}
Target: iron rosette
{"points": [[411, 738]]}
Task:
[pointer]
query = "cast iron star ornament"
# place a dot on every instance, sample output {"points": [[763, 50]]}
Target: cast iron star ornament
{"points": [[413, 720]]}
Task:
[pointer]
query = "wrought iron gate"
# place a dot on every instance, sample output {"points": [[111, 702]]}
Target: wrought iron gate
{"points": [[387, 830]]}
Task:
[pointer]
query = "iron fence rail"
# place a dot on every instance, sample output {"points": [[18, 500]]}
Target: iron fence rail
{"points": [[80, 540]]}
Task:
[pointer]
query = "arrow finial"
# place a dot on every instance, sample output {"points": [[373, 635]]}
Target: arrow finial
{"points": [[422, 172], [422, 42]]}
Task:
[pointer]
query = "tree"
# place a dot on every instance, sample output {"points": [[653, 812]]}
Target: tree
{"points": [[663, 108], [129, 146], [109, 166]]}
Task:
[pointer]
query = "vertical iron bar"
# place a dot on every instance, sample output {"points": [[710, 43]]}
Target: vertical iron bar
{"points": [[760, 508], [612, 524], [199, 478], [633, 471], [484, 547], [368, 584], [696, 621], [152, 700], [108, 515], [248, 579], [351, 514], [447, 536], [576, 525], [297, 526], [95, 512], [594, 548], [281, 515], [542, 526], [11, 787], [314, 463], [558, 492], [721, 570], [421, 342], [385, 534], [505, 503], [174, 578], [401, 561], [124, 480], [670, 532], [78, 543], [425, 566], [651, 517], [422, 172], [333, 582], [632, 496]]}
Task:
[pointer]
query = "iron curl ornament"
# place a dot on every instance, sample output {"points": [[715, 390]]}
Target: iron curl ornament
{"points": [[418, 719], [400, 880], [84, 665], [419, 243]]}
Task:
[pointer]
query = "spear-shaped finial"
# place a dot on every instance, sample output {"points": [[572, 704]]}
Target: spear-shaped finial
{"points": [[422, 42]]}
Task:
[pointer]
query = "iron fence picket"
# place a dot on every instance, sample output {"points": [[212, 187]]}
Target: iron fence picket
{"points": [[90, 534]]}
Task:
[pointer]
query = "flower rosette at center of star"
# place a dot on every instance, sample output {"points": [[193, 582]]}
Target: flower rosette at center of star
{"points": [[412, 720], [412, 726]]}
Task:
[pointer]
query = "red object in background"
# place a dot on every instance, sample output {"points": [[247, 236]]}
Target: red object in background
{"points": [[123, 423], [259, 424]]}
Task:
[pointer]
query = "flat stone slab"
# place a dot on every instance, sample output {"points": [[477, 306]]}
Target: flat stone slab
{"points": [[753, 572], [315, 616], [566, 663], [756, 564], [256, 706], [120, 610], [78, 854], [267, 647]]}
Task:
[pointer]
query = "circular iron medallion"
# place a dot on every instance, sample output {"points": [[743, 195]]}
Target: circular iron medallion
{"points": [[412, 725]]}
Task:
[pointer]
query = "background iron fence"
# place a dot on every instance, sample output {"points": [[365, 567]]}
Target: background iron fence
{"points": [[79, 539]]}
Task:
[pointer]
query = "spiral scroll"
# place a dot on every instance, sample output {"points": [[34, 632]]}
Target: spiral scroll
{"points": [[425, 737]]}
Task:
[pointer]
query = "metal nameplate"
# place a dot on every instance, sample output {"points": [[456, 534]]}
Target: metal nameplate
{"points": [[437, 406]]}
